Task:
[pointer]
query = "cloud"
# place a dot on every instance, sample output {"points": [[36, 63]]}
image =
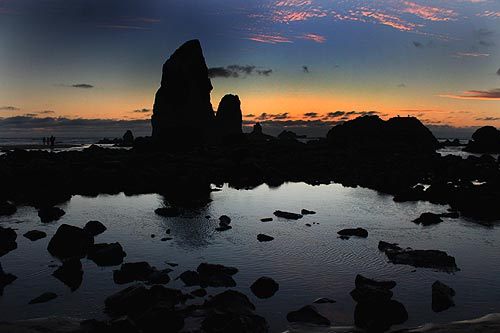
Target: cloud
{"points": [[142, 111], [401, 85], [82, 86], [122, 27], [429, 13], [9, 108], [498, 71], [311, 115], [493, 94], [337, 114], [250, 115], [305, 69], [488, 118], [313, 37], [470, 54], [269, 38], [46, 112], [237, 71]]}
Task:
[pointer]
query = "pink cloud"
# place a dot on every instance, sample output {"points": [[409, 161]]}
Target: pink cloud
{"points": [[489, 13], [489, 95], [271, 39], [429, 13], [313, 37]]}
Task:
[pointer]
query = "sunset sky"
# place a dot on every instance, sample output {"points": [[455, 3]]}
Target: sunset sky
{"points": [[297, 62]]}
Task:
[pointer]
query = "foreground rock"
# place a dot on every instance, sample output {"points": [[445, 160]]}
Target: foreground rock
{"points": [[287, 215], [5, 279], [308, 314], [228, 117], [70, 273], [49, 214], [376, 311], [6, 208], [210, 275], [94, 228], [107, 254], [435, 259], [7, 240], [264, 287], [426, 219], [140, 271], [485, 140], [70, 241], [358, 232], [442, 297], [34, 235], [43, 298]]}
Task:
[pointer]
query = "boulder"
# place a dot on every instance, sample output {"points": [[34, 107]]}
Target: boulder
{"points": [[428, 219], [223, 228], [287, 215], [266, 219], [34, 235], [190, 278], [7, 240], [307, 314], [94, 228], [128, 138], [168, 211], [70, 273], [107, 254], [5, 279], [228, 117], [182, 112], [359, 232], [484, 140], [214, 275], [264, 287], [442, 296], [224, 220], [129, 301], [200, 292], [70, 241], [140, 271], [49, 214], [307, 212], [264, 238], [6, 208], [380, 316], [43, 298]]}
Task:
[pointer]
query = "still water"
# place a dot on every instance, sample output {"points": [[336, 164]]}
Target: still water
{"points": [[307, 262]]}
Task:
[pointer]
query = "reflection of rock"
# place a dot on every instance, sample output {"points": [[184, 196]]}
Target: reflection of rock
{"points": [[105, 254], [70, 273], [34, 235], [442, 296], [7, 240], [182, 111], [5, 279], [419, 258], [45, 297], [485, 140], [228, 117]]}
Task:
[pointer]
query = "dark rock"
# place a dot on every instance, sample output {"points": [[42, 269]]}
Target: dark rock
{"points": [[258, 135], [287, 215], [324, 300], [308, 314], [288, 135], [371, 294], [49, 214], [451, 215], [7, 240], [214, 275], [168, 211], [164, 239], [362, 281], [428, 219], [121, 324], [190, 278], [307, 212], [129, 301], [182, 112], [160, 315], [485, 140], [159, 276], [70, 241], [442, 297], [266, 219], [7, 208], [45, 297], [94, 228], [228, 117], [359, 232], [70, 273], [264, 287], [215, 269], [107, 254], [199, 292], [436, 259], [128, 138], [224, 220], [379, 316], [34, 235], [308, 224], [5, 279], [133, 271], [264, 238], [230, 301], [223, 228]]}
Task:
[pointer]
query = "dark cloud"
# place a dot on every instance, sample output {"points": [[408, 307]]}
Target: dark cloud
{"points": [[401, 85], [417, 44], [277, 116], [250, 115], [311, 115], [142, 111], [9, 108], [46, 112], [493, 94], [237, 71], [263, 116], [489, 118], [337, 114], [305, 69], [281, 116], [30, 115], [82, 85]]}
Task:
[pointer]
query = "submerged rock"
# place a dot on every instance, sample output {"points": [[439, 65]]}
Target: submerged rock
{"points": [[43, 298], [224, 220], [266, 219], [94, 228], [105, 254], [49, 214], [287, 215], [34, 235], [307, 212], [129, 301], [7, 240], [70, 241], [442, 296], [264, 287], [307, 314], [428, 219], [359, 232], [264, 238], [70, 273], [168, 211], [140, 271]]}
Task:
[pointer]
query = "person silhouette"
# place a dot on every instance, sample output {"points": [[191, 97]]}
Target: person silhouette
{"points": [[52, 141], [43, 140]]}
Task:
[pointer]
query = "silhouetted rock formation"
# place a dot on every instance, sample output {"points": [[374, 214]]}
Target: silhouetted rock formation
{"points": [[372, 134], [485, 140], [128, 138], [258, 135], [228, 117], [182, 110]]}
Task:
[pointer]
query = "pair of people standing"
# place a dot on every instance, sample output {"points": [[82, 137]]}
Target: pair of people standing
{"points": [[49, 141]]}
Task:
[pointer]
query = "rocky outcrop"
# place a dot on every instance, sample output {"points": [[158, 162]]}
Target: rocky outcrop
{"points": [[484, 140], [258, 135], [373, 135], [182, 111], [228, 117], [8, 238], [94, 228], [442, 296]]}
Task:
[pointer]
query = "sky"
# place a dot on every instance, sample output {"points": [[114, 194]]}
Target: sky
{"points": [[94, 65]]}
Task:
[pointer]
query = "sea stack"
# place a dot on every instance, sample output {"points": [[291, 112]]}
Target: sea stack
{"points": [[229, 118], [182, 111]]}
